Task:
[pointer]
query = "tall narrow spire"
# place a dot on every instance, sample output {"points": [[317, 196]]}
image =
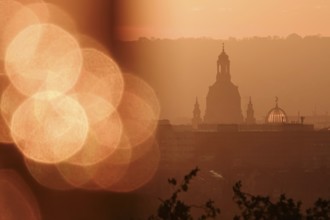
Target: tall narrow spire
{"points": [[250, 119], [196, 111], [223, 47], [276, 101], [196, 120]]}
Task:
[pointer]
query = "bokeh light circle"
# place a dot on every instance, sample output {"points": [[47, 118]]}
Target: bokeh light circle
{"points": [[43, 57], [101, 76], [16, 199], [139, 110], [105, 130], [5, 134], [49, 127], [13, 18], [47, 175], [140, 171]]}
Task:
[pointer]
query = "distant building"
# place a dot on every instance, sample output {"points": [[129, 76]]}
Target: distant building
{"points": [[223, 101], [276, 120], [277, 158], [276, 115], [274, 157], [250, 119], [223, 109], [196, 120]]}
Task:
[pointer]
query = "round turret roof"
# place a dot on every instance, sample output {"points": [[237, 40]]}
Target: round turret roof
{"points": [[276, 115]]}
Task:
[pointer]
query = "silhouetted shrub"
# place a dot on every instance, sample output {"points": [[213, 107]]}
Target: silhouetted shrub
{"points": [[254, 207], [320, 211], [261, 207], [175, 209]]}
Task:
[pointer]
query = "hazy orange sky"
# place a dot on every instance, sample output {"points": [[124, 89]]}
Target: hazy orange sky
{"points": [[223, 18], [218, 19]]}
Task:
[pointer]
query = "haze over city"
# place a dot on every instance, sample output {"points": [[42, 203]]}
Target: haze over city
{"points": [[274, 47], [164, 109], [222, 18]]}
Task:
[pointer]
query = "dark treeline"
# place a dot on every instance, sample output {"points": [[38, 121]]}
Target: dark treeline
{"points": [[257, 207], [295, 68]]}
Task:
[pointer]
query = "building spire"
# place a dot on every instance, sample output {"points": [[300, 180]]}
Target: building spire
{"points": [[250, 119], [196, 120], [223, 47], [276, 101]]}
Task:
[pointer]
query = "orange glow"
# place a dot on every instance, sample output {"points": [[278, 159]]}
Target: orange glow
{"points": [[11, 99], [222, 19], [135, 113], [89, 42], [76, 119], [110, 170], [52, 14], [139, 110], [47, 175], [108, 174], [108, 131], [16, 200], [49, 127], [43, 57], [140, 171], [100, 76], [5, 136], [27, 2], [13, 19], [97, 108], [90, 153], [104, 133], [76, 175], [100, 175]]}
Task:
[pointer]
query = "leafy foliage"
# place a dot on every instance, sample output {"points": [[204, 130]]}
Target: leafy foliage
{"points": [[175, 209], [262, 208], [252, 207], [320, 211]]}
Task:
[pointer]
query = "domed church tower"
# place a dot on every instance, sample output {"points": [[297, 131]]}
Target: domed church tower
{"points": [[223, 101]]}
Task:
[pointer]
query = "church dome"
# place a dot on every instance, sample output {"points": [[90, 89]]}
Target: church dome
{"points": [[276, 115]]}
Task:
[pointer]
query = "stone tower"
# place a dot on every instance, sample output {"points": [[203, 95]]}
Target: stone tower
{"points": [[223, 101], [196, 120], [250, 119]]}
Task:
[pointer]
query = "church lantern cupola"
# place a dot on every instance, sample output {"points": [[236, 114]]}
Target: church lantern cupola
{"points": [[223, 65]]}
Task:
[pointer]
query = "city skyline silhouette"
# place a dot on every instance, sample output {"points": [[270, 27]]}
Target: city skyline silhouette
{"points": [[293, 68], [106, 105]]}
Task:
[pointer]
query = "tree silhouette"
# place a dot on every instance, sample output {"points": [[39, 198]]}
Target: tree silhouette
{"points": [[262, 208], [175, 209], [252, 207], [320, 211]]}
